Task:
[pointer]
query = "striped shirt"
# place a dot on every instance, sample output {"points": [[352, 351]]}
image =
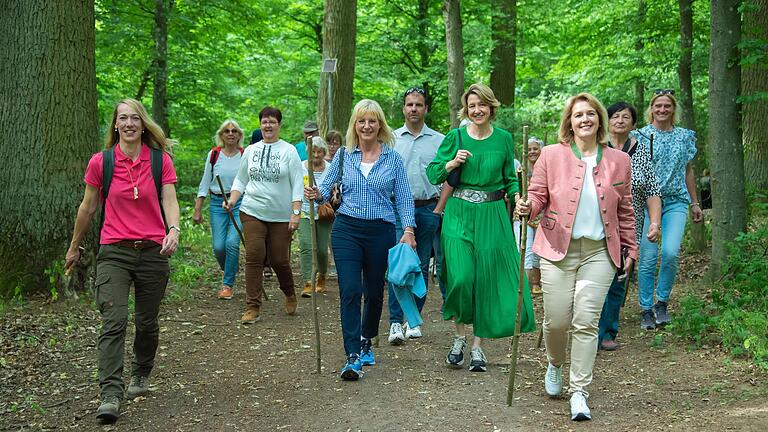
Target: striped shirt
{"points": [[370, 198]]}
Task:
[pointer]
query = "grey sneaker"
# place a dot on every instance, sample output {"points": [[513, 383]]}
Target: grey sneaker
{"points": [[109, 410], [648, 321], [662, 317], [456, 355], [396, 336], [579, 409], [477, 361], [553, 380], [139, 386]]}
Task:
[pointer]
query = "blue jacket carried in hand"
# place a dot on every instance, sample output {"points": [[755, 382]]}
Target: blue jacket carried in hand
{"points": [[404, 274]]}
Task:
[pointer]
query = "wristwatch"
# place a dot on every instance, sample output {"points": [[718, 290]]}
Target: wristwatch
{"points": [[174, 227], [296, 212]]}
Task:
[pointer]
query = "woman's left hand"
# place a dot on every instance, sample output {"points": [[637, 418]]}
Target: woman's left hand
{"points": [[170, 243], [293, 224], [629, 264], [696, 213], [408, 238]]}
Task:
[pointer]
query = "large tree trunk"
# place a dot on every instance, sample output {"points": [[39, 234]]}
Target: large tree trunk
{"points": [[726, 151], [755, 109], [685, 104], [640, 58], [455, 47], [160, 90], [50, 129], [504, 39], [339, 32]]}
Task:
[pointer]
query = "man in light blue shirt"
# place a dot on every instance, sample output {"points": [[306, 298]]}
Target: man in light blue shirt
{"points": [[417, 144], [310, 130]]}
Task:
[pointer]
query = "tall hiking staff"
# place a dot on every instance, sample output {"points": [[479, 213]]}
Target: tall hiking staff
{"points": [[523, 179], [313, 233], [232, 218]]}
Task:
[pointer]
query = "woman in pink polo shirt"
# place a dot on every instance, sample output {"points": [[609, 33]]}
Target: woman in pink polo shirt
{"points": [[134, 244], [582, 189]]}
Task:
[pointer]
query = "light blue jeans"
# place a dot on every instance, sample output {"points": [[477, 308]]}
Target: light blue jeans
{"points": [[226, 241], [673, 218]]}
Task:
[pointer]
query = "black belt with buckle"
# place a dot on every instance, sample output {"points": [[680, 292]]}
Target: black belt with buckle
{"points": [[135, 244], [476, 196], [422, 203]]}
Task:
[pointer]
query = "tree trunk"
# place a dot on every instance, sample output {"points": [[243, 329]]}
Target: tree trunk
{"points": [[755, 109], [639, 55], [726, 151], [455, 47], [339, 32], [685, 105], [504, 40], [48, 71], [160, 90]]}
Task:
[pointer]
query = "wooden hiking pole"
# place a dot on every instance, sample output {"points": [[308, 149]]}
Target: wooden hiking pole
{"points": [[234, 222], [313, 233], [521, 278]]}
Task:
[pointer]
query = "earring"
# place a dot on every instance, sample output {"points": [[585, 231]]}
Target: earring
{"points": [[115, 129]]}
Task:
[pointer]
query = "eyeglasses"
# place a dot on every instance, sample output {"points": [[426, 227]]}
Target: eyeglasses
{"points": [[418, 90], [269, 122], [658, 92], [230, 131]]}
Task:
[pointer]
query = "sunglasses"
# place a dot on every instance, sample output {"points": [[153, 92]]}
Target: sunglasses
{"points": [[664, 92], [418, 90], [230, 131]]}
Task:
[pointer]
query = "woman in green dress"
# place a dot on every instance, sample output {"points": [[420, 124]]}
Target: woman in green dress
{"points": [[481, 263]]}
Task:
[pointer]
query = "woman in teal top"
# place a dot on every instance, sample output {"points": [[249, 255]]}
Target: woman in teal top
{"points": [[481, 262]]}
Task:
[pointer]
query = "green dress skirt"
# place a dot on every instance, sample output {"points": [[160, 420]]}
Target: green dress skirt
{"points": [[481, 263]]}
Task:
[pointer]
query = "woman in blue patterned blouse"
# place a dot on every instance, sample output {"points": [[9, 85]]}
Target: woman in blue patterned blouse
{"points": [[672, 154], [364, 229]]}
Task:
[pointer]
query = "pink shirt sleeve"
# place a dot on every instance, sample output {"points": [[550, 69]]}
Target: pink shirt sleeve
{"points": [[169, 172], [94, 173]]}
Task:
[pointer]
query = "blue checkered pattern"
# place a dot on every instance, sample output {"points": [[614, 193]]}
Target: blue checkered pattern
{"points": [[371, 198]]}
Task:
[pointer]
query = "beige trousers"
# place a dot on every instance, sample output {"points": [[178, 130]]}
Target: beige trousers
{"points": [[574, 291]]}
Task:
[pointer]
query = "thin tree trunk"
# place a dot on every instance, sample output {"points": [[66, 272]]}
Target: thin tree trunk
{"points": [[339, 33], [144, 81], [685, 102], [639, 56], [160, 90], [455, 47], [755, 110], [503, 57], [726, 151], [48, 70]]}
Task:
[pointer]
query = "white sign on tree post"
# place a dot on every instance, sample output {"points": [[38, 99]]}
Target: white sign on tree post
{"points": [[329, 67]]}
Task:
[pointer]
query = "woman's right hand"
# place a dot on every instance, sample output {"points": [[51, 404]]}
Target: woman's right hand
{"points": [[461, 157], [227, 205], [311, 193], [71, 259], [197, 217], [523, 208]]}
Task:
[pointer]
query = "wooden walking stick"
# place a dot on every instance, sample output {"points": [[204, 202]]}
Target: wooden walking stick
{"points": [[523, 178], [232, 218], [313, 233]]}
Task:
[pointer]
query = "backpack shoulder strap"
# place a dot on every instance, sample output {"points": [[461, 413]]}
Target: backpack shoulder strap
{"points": [[215, 151], [157, 176], [107, 170], [341, 163]]}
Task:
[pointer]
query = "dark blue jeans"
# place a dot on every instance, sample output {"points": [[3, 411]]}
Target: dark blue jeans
{"points": [[427, 223], [608, 328], [360, 250]]}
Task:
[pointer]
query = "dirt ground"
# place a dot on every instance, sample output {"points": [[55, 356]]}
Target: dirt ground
{"points": [[214, 374]]}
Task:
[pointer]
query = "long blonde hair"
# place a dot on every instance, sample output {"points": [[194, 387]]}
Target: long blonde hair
{"points": [[565, 134], [217, 138], [368, 106], [151, 134]]}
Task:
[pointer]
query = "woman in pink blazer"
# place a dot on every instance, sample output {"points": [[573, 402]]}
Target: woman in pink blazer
{"points": [[582, 188]]}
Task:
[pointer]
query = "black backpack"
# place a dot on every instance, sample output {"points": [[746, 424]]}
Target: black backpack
{"points": [[108, 169]]}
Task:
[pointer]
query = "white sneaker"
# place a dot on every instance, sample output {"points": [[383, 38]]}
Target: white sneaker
{"points": [[579, 409], [412, 333], [553, 380], [396, 336]]}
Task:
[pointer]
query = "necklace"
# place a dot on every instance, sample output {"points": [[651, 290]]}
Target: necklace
{"points": [[130, 176]]}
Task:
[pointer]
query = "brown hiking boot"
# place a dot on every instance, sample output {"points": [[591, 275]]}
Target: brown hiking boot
{"points": [[320, 288], [291, 304], [250, 316], [307, 291]]}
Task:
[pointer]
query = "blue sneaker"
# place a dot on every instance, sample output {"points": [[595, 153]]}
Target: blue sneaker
{"points": [[366, 353], [352, 370]]}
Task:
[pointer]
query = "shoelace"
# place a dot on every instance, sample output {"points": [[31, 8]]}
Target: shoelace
{"points": [[477, 355], [458, 344], [552, 374]]}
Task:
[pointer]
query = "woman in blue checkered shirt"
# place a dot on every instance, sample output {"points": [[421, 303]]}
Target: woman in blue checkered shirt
{"points": [[364, 229]]}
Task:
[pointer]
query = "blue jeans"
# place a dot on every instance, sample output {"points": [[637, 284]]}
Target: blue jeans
{"points": [[608, 328], [673, 218], [360, 249], [226, 241], [426, 227]]}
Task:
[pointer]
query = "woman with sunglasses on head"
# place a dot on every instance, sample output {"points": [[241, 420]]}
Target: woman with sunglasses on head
{"points": [[270, 180], [672, 154], [481, 262], [222, 161]]}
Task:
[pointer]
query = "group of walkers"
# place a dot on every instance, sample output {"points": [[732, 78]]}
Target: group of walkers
{"points": [[599, 200]]}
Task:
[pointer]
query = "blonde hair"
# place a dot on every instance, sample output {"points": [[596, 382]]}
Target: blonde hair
{"points": [[217, 138], [152, 134], [368, 106], [485, 94], [649, 111], [565, 134]]}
